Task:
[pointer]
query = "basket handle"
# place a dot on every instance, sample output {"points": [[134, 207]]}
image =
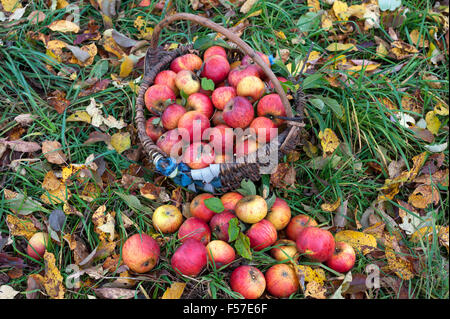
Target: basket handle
{"points": [[244, 47]]}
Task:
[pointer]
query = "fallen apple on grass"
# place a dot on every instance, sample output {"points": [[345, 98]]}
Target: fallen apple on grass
{"points": [[279, 214], [198, 208], [249, 281], [251, 209], [284, 250], [167, 219], [190, 258], [343, 258], [194, 228], [281, 280], [316, 244], [220, 253], [219, 224], [140, 253], [37, 245], [262, 235], [297, 224]]}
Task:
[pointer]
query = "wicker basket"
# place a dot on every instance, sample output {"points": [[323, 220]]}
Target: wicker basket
{"points": [[217, 178]]}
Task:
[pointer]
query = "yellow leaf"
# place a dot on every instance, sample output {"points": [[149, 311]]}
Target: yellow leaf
{"points": [[126, 67], [309, 274], [327, 21], [121, 142], [341, 47], [174, 291], [362, 242], [433, 123], [61, 4], [401, 266], [443, 237], [111, 46], [79, 116], [340, 9], [310, 149], [281, 35], [52, 280], [402, 50], [64, 26], [91, 49], [313, 56], [416, 37], [11, 5], [51, 182], [329, 141], [145, 31], [60, 195], [441, 109], [314, 5], [381, 50], [315, 290], [331, 207], [423, 196], [247, 6], [20, 226]]}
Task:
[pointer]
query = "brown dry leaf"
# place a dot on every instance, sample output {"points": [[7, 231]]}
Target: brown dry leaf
{"points": [[20, 226], [397, 262], [440, 177], [443, 236], [115, 293], [360, 241], [90, 49], [284, 176], [64, 26], [423, 196], [53, 153], [174, 291], [51, 182], [21, 146], [90, 192], [57, 99], [77, 246], [52, 281], [411, 103], [150, 191], [112, 47], [315, 290], [401, 50], [331, 207], [57, 192], [329, 141], [415, 35]]}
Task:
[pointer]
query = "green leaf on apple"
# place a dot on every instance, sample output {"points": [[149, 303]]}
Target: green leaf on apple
{"points": [[203, 43], [214, 204], [233, 229], [247, 188], [156, 121], [207, 84], [184, 98], [242, 246], [270, 201]]}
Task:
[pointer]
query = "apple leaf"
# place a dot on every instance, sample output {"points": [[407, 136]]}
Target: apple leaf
{"points": [[184, 97], [203, 43], [233, 229], [134, 203], [242, 246], [313, 81], [270, 201], [247, 188], [214, 204], [156, 121], [207, 84]]}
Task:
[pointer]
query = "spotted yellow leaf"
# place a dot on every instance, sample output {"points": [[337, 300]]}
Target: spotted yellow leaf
{"points": [[362, 242], [433, 123], [174, 291], [331, 207], [328, 140]]}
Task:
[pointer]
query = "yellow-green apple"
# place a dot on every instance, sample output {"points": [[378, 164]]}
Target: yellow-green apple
{"points": [[194, 123], [284, 249], [214, 50], [251, 209], [219, 224], [297, 224], [140, 253], [190, 62], [172, 115], [201, 103], [265, 129], [315, 243], [262, 235], [190, 258], [279, 214], [240, 72], [343, 258], [222, 95], [251, 87], [167, 77], [247, 60], [37, 245], [154, 128], [270, 105], [157, 97], [245, 146], [199, 209], [249, 281], [216, 68], [221, 138], [220, 253], [281, 280], [198, 155], [195, 228], [167, 219], [171, 142], [238, 112], [187, 82], [230, 199], [217, 118]]}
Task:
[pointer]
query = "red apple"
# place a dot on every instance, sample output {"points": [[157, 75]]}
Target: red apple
{"points": [[262, 235], [222, 95], [247, 60], [251, 87], [167, 77], [280, 214], [265, 129], [218, 118], [171, 142], [190, 62], [154, 128], [199, 209], [297, 224], [190, 258], [157, 96], [280, 78], [37, 245], [281, 280], [238, 112], [251, 209], [316, 243], [343, 258], [219, 224], [199, 155], [140, 253], [201, 103], [240, 72], [216, 68], [195, 228], [193, 123], [167, 219], [214, 50], [249, 281], [187, 82], [223, 158], [220, 253], [171, 116], [247, 146], [271, 105], [221, 138], [285, 249], [230, 199]]}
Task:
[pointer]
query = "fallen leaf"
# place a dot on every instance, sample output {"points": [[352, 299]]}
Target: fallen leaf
{"points": [[397, 262], [77, 246], [246, 7], [284, 176], [64, 26], [121, 142], [52, 281], [19, 204], [174, 291], [423, 196], [401, 50], [21, 146], [329, 141], [83, 56], [416, 37], [7, 292], [53, 153], [333, 47], [20, 226], [338, 294], [433, 123], [331, 207], [126, 67], [315, 290], [115, 293], [361, 242], [11, 5], [79, 116]]}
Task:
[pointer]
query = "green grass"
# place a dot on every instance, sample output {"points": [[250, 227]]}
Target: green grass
{"points": [[366, 131]]}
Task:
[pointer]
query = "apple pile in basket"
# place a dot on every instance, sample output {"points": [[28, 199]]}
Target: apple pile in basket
{"points": [[200, 103]]}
